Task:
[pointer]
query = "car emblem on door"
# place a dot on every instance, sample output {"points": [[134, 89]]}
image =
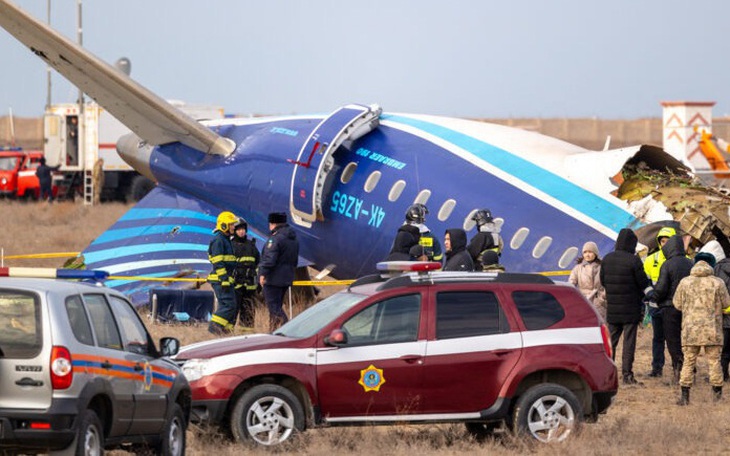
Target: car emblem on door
{"points": [[371, 378]]}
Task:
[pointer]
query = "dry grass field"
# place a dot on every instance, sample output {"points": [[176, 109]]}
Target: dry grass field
{"points": [[643, 419]]}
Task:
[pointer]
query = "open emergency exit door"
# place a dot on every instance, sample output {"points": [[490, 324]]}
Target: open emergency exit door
{"points": [[315, 160]]}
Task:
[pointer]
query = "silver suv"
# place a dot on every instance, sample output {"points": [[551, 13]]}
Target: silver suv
{"points": [[80, 373]]}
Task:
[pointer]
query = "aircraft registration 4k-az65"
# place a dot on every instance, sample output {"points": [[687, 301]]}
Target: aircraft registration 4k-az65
{"points": [[345, 179]]}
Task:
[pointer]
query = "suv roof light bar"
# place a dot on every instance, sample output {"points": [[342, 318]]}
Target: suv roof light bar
{"points": [[408, 266], [52, 273]]}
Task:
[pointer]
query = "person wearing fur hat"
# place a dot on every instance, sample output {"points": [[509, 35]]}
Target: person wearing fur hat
{"points": [[701, 299], [279, 258], [586, 277]]}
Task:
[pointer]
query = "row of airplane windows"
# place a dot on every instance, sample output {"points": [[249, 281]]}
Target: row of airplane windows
{"points": [[444, 212]]}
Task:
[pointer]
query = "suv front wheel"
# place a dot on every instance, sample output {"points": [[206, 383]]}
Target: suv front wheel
{"points": [[173, 434], [267, 414], [548, 413]]}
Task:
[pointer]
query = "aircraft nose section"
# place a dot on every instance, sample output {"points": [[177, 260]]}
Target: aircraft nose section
{"points": [[136, 153]]}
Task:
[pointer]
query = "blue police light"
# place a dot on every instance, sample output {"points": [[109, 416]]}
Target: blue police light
{"points": [[82, 274]]}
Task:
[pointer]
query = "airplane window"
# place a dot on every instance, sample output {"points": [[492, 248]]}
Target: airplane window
{"points": [[348, 172], [519, 238], [542, 246], [422, 197], [446, 209], [396, 190], [568, 257], [372, 181], [468, 222]]}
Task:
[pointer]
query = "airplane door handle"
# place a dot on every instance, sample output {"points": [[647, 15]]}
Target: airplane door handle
{"points": [[26, 381], [502, 352], [106, 365], [410, 359], [138, 367]]}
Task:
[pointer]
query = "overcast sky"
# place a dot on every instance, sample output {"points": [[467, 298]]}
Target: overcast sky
{"points": [[469, 58]]}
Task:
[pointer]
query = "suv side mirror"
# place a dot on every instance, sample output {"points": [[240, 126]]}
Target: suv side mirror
{"points": [[336, 338], [169, 346]]}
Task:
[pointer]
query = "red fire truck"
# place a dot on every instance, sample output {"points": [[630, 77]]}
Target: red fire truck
{"points": [[17, 172]]}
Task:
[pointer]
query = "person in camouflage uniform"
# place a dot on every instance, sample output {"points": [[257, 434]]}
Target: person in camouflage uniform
{"points": [[701, 297]]}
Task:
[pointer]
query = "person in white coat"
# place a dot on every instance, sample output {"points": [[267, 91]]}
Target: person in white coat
{"points": [[585, 276]]}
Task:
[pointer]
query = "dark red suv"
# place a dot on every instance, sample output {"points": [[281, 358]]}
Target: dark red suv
{"points": [[478, 348]]}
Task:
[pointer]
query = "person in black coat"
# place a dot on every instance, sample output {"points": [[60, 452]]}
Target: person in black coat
{"points": [[43, 172], [279, 259], [676, 268], [406, 238], [622, 275], [722, 270], [457, 257]]}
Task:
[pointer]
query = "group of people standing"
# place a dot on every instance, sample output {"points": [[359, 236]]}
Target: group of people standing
{"points": [[414, 241], [686, 301], [239, 270]]}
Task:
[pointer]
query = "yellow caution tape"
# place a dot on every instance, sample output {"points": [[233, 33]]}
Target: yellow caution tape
{"points": [[308, 283], [297, 283], [554, 273], [158, 279], [42, 255]]}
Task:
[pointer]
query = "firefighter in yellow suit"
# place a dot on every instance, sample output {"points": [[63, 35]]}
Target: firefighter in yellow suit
{"points": [[221, 256]]}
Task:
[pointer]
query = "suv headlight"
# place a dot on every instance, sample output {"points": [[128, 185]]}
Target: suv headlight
{"points": [[194, 369]]}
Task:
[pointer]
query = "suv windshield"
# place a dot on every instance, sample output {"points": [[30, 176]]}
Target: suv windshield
{"points": [[20, 330], [316, 317]]}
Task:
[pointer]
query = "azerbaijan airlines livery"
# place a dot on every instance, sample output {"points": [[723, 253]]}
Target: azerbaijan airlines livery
{"points": [[345, 179]]}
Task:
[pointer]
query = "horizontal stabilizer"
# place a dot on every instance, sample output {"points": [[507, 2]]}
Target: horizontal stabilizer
{"points": [[149, 116]]}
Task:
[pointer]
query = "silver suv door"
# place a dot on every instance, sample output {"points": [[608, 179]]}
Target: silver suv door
{"points": [[108, 360], [25, 380], [151, 380]]}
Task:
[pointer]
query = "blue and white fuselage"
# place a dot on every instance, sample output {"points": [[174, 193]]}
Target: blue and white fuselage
{"points": [[453, 166]]}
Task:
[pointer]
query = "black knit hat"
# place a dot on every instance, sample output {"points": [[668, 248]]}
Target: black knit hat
{"points": [[277, 217]]}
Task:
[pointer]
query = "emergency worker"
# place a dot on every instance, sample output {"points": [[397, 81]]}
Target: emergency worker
{"points": [[405, 239], [675, 268], [701, 298], [221, 256], [457, 258], [487, 237], [652, 266], [247, 260], [416, 216], [490, 262], [278, 262]]}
